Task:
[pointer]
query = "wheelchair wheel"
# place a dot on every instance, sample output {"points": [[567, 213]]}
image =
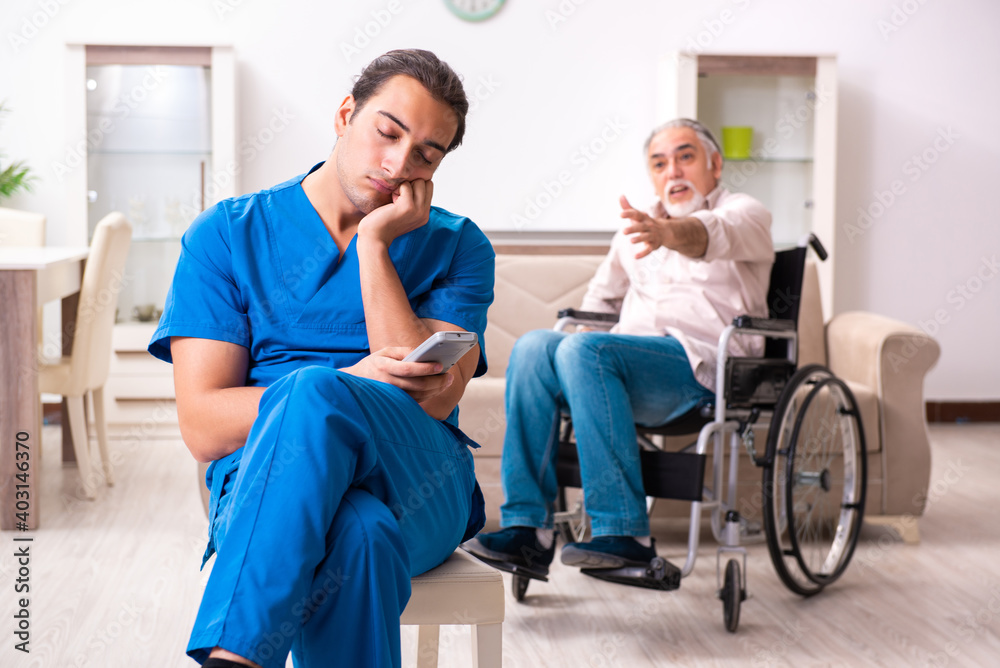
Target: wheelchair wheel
{"points": [[731, 595], [814, 480]]}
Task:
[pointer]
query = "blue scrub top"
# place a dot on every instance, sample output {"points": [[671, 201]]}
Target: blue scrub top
{"points": [[262, 271]]}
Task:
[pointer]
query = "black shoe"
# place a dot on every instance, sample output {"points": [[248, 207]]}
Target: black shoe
{"points": [[608, 552], [513, 547]]}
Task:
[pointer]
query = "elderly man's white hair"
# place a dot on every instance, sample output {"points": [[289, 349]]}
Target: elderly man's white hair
{"points": [[704, 136]]}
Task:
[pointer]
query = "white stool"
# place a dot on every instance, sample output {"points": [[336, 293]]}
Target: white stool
{"points": [[462, 590]]}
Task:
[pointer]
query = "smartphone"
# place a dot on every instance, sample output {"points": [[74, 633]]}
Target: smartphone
{"points": [[445, 348]]}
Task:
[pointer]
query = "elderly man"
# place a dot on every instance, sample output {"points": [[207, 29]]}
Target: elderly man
{"points": [[676, 277]]}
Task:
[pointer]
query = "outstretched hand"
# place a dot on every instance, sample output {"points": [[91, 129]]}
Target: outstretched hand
{"points": [[420, 380], [644, 228], [410, 208]]}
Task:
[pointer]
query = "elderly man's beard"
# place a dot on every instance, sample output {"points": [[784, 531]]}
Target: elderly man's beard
{"points": [[687, 207]]}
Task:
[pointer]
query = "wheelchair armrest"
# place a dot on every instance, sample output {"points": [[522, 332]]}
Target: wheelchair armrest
{"points": [[591, 316], [765, 324], [571, 316]]}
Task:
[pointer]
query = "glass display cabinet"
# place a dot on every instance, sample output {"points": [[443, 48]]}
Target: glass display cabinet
{"points": [[155, 129]]}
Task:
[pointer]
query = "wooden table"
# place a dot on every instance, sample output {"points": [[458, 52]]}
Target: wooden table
{"points": [[29, 277]]}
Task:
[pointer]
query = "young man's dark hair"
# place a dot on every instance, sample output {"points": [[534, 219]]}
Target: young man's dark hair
{"points": [[433, 73]]}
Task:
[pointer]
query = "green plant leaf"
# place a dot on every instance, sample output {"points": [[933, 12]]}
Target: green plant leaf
{"points": [[17, 176]]}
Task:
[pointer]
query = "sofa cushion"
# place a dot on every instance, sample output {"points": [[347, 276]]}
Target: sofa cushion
{"points": [[481, 414], [530, 290]]}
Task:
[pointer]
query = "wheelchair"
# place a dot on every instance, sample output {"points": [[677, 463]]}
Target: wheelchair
{"points": [[814, 471]]}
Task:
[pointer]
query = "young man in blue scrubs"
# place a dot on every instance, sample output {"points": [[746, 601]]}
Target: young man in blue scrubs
{"points": [[337, 470]]}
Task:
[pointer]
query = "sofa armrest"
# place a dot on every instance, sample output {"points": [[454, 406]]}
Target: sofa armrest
{"points": [[892, 357]]}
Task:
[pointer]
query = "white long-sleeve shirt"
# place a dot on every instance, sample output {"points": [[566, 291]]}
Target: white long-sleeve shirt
{"points": [[693, 299]]}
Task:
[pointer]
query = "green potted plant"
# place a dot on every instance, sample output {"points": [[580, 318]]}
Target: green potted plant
{"points": [[16, 176]]}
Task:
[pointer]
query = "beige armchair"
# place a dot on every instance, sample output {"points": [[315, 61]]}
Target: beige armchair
{"points": [[884, 361]]}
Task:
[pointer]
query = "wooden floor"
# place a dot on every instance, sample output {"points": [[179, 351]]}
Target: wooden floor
{"points": [[115, 582]]}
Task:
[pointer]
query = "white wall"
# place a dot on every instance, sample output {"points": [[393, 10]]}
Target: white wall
{"points": [[911, 71]]}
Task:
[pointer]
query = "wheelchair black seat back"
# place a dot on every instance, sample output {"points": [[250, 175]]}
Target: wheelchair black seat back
{"points": [[760, 381], [813, 465]]}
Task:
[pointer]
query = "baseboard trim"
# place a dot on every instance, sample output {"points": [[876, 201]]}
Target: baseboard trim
{"points": [[963, 411]]}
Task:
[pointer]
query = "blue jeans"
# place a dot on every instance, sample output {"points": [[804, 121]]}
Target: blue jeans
{"points": [[607, 382]]}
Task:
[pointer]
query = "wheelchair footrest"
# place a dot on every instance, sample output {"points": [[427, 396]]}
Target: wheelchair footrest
{"points": [[515, 569], [657, 574]]}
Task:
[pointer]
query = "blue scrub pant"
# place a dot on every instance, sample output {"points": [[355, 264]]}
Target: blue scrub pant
{"points": [[608, 383], [344, 490]]}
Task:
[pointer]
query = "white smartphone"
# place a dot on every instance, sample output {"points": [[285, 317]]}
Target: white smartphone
{"points": [[444, 347]]}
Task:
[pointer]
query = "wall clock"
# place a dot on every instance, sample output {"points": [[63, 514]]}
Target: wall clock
{"points": [[474, 10]]}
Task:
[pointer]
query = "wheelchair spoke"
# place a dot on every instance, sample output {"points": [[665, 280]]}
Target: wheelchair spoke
{"points": [[814, 489]]}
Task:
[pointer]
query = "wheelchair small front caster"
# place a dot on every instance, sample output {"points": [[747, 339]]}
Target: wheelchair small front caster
{"points": [[732, 595], [519, 585]]}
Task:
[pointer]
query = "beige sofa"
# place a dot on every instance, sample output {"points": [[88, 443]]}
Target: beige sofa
{"points": [[883, 360]]}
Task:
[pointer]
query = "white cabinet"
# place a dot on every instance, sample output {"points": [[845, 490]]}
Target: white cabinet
{"points": [[152, 131], [140, 388], [791, 104]]}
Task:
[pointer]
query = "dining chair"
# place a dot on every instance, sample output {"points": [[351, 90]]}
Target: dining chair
{"points": [[85, 371]]}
